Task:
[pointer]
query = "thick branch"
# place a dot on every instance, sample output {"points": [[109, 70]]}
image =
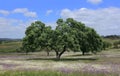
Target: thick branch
{"points": [[64, 49]]}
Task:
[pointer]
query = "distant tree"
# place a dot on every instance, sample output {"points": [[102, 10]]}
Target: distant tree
{"points": [[68, 35], [45, 39], [0, 42], [106, 45], [95, 41], [112, 36], [37, 36], [88, 39], [34, 37], [63, 39], [116, 44], [75, 36]]}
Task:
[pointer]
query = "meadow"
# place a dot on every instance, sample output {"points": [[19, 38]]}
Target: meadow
{"points": [[105, 63], [9, 47]]}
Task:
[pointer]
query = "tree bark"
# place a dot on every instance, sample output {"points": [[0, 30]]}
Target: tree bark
{"points": [[83, 53], [48, 54], [58, 55], [26, 52], [64, 49]]}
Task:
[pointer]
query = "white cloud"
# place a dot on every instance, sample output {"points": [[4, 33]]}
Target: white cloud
{"points": [[20, 10], [105, 20], [12, 28], [4, 12], [25, 11], [95, 1], [49, 12], [30, 14], [52, 24]]}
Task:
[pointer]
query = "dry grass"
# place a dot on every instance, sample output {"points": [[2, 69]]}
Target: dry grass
{"points": [[106, 61]]}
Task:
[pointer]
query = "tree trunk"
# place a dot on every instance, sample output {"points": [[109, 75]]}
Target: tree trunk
{"points": [[83, 53], [26, 52], [48, 54], [58, 55], [64, 49]]}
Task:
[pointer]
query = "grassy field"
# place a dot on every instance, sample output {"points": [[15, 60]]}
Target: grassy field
{"points": [[110, 40], [9, 47], [105, 63], [53, 73]]}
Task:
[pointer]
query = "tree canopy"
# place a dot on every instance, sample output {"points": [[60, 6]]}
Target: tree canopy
{"points": [[69, 35]]}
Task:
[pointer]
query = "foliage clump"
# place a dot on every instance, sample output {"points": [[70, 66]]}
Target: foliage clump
{"points": [[69, 35]]}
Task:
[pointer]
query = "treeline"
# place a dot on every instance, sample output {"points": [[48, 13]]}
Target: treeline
{"points": [[112, 36], [116, 44], [7, 40], [111, 41], [107, 45]]}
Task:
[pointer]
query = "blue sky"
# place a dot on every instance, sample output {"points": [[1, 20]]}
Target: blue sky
{"points": [[16, 15]]}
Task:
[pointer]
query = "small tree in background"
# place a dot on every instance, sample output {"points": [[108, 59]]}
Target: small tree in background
{"points": [[106, 45], [0, 42], [116, 44]]}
